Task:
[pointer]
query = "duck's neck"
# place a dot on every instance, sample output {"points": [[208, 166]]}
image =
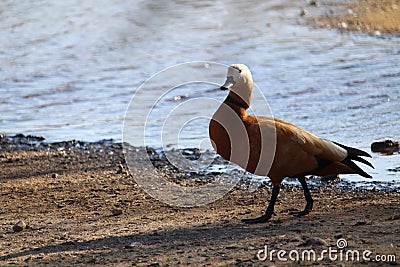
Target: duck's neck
{"points": [[237, 104]]}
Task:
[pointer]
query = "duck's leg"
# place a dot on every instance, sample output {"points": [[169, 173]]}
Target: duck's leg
{"points": [[270, 210], [308, 197]]}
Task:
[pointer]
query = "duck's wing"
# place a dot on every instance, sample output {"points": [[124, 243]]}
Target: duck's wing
{"points": [[303, 139], [310, 143], [309, 149]]}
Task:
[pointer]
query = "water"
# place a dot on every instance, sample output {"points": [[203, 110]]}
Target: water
{"points": [[68, 69]]}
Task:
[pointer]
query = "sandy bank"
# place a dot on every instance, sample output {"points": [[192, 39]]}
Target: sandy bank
{"points": [[377, 17]]}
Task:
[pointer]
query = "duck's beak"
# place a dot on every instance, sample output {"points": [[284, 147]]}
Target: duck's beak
{"points": [[228, 84]]}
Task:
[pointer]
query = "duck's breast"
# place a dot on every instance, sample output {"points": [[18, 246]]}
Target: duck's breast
{"points": [[242, 140]]}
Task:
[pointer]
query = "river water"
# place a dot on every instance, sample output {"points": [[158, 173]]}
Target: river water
{"points": [[68, 69]]}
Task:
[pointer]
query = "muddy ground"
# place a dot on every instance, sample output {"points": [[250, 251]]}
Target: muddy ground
{"points": [[82, 207]]}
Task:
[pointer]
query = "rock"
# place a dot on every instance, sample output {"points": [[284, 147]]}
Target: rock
{"points": [[54, 175], [385, 147], [360, 223], [116, 212], [19, 226]]}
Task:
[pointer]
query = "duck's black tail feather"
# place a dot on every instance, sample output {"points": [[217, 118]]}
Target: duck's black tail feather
{"points": [[355, 154]]}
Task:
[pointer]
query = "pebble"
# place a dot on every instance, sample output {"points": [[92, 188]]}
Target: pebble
{"points": [[360, 223], [339, 235], [54, 175], [116, 212], [19, 226], [133, 244]]}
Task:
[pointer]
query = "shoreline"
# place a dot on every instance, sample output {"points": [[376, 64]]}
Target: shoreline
{"points": [[21, 142], [81, 206]]}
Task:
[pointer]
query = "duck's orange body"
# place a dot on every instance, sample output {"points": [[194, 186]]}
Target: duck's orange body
{"points": [[297, 151], [272, 147]]}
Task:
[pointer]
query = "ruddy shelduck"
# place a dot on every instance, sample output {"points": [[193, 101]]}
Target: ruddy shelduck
{"points": [[273, 147]]}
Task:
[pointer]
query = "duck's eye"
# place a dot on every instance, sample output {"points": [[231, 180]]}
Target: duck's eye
{"points": [[239, 70]]}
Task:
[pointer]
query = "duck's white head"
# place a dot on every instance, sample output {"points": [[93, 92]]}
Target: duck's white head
{"points": [[239, 82]]}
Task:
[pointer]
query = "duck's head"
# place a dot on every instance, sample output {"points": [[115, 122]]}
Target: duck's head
{"points": [[239, 82]]}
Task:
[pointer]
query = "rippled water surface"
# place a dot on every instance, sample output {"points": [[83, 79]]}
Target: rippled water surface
{"points": [[69, 69]]}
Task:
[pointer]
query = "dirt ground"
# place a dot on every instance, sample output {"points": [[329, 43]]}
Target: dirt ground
{"points": [[67, 197], [376, 17]]}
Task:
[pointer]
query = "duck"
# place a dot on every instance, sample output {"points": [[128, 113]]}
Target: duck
{"points": [[272, 147]]}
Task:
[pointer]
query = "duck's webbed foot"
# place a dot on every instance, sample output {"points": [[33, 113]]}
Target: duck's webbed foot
{"points": [[261, 219]]}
